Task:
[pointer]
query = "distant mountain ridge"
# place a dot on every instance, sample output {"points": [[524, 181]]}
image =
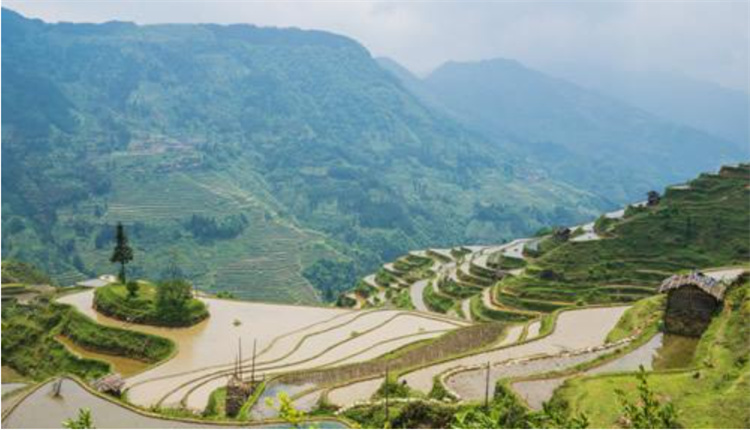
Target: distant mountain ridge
{"points": [[583, 136], [707, 106]]}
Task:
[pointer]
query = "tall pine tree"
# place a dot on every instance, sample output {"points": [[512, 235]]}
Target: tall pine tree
{"points": [[122, 253]]}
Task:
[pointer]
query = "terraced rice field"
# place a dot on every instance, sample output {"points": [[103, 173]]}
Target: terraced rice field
{"points": [[107, 413], [289, 338], [264, 263], [349, 394], [537, 391], [575, 329], [468, 384]]}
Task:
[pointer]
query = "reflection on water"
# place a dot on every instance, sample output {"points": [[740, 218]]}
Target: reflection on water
{"points": [[43, 410], [261, 410], [661, 352], [11, 387], [124, 366], [675, 352]]}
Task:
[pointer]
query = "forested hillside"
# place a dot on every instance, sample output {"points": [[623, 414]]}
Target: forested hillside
{"points": [[265, 161]]}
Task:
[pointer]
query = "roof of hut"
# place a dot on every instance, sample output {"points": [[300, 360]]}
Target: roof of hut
{"points": [[109, 383], [707, 284]]}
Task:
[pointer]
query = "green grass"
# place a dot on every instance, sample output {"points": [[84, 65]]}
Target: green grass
{"points": [[706, 226], [713, 394], [264, 263], [642, 314], [114, 302], [30, 348], [479, 311], [437, 302], [110, 340]]}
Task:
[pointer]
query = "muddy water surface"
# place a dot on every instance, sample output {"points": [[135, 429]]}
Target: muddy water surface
{"points": [[575, 329], [124, 366], [43, 410], [662, 352]]}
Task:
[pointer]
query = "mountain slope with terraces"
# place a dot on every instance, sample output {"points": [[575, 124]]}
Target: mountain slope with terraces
{"points": [[619, 258]]}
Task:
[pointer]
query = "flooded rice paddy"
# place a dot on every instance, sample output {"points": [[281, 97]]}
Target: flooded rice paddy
{"points": [[11, 387], [124, 366], [533, 330], [353, 393], [289, 338], [661, 352], [262, 411], [471, 384], [106, 413], [513, 335], [575, 329]]}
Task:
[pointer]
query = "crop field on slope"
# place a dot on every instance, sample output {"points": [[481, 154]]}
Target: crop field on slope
{"points": [[706, 225], [264, 262]]}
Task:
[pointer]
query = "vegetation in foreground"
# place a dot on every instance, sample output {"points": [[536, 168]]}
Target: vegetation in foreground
{"points": [[168, 303], [29, 345], [504, 410], [84, 420], [713, 393]]}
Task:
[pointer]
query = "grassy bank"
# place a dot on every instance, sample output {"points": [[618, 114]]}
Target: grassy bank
{"points": [[114, 302], [713, 393], [29, 345]]}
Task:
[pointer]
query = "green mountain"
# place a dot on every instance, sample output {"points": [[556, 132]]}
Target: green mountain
{"points": [[593, 141], [265, 161]]}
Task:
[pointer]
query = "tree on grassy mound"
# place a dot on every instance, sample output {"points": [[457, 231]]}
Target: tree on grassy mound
{"points": [[122, 253]]}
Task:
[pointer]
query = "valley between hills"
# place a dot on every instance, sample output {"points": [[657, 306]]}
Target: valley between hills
{"points": [[235, 226], [534, 325]]}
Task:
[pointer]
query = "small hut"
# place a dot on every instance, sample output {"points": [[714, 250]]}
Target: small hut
{"points": [[692, 300], [238, 391], [110, 384], [562, 233]]}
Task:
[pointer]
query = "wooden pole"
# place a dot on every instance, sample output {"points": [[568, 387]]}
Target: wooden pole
{"points": [[387, 418], [240, 356], [252, 369], [487, 389]]}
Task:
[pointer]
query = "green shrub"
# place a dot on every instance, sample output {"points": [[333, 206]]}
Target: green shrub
{"points": [[169, 304]]}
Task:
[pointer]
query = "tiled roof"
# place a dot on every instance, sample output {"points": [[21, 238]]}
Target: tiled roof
{"points": [[708, 284]]}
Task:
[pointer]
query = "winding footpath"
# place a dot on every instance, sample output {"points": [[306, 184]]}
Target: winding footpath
{"points": [[416, 291]]}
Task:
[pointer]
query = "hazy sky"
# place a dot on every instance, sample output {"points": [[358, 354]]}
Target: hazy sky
{"points": [[707, 39]]}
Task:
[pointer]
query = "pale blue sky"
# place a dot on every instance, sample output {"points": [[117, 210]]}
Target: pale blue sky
{"points": [[708, 40]]}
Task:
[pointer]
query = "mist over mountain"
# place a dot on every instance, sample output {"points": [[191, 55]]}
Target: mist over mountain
{"points": [[704, 105], [592, 140]]}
